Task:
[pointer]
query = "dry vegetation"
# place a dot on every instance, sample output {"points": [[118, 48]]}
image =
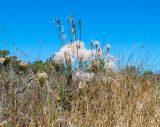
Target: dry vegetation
{"points": [[47, 94]]}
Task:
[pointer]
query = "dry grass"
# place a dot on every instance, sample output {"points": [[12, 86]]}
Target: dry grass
{"points": [[110, 99]]}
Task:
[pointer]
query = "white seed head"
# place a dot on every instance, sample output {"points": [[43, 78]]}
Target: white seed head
{"points": [[97, 43], [110, 62], [2, 60], [59, 57], [83, 76], [42, 75], [108, 46]]}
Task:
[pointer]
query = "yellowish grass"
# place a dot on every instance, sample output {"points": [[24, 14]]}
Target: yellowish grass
{"points": [[109, 100]]}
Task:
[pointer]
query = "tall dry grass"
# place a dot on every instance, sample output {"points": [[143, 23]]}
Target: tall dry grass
{"points": [[121, 99]]}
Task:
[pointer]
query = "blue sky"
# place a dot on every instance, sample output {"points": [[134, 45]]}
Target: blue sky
{"points": [[122, 23]]}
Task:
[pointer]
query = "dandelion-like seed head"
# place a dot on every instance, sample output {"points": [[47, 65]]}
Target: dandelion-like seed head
{"points": [[2, 60], [42, 78], [110, 63], [83, 76], [108, 46], [96, 43]]}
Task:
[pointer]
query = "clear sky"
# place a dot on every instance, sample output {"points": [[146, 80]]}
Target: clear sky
{"points": [[122, 23]]}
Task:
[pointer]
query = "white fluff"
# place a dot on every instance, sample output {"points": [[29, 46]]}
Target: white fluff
{"points": [[59, 57], [42, 75], [96, 42], [77, 51], [108, 46], [110, 62], [83, 76], [2, 60]]}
